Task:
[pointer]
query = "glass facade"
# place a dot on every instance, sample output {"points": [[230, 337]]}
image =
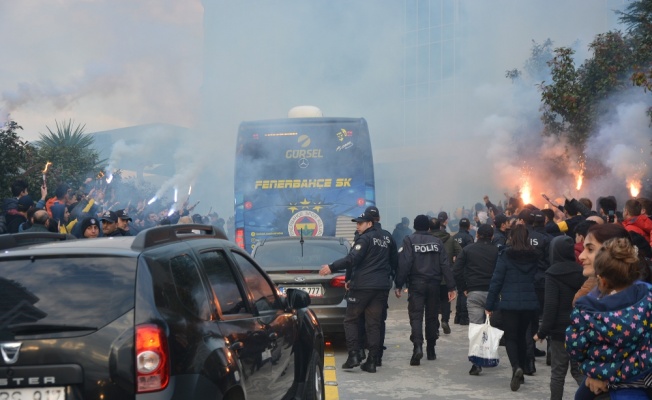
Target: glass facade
{"points": [[430, 61]]}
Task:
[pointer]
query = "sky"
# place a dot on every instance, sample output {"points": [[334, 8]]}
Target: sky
{"points": [[208, 65]]}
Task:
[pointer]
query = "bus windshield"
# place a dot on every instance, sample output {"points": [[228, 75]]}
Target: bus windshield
{"points": [[300, 176]]}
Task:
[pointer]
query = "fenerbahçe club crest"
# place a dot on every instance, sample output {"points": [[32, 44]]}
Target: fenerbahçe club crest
{"points": [[308, 222]]}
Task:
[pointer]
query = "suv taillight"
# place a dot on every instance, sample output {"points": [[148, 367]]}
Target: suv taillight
{"points": [[152, 367], [338, 281], [239, 238]]}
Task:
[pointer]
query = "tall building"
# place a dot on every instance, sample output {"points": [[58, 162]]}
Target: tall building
{"points": [[430, 68]]}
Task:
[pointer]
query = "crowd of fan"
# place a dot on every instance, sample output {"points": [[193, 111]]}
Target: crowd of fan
{"points": [[574, 276], [88, 213]]}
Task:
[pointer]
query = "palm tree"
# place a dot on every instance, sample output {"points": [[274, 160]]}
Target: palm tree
{"points": [[71, 153], [66, 137]]}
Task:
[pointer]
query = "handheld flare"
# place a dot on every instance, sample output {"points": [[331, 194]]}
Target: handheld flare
{"points": [[45, 172]]}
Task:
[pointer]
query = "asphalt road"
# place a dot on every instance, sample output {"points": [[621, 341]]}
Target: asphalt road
{"points": [[447, 377]]}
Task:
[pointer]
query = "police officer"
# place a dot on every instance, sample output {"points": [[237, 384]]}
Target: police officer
{"points": [[110, 224], [423, 264], [393, 263], [463, 237], [501, 228], [124, 220], [534, 220], [367, 290]]}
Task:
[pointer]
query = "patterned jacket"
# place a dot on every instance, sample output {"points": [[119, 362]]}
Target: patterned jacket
{"points": [[611, 336]]}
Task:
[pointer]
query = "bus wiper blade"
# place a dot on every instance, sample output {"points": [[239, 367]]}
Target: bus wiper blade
{"points": [[27, 328]]}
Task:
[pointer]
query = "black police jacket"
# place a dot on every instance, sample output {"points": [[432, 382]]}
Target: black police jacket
{"points": [[540, 240], [463, 237], [423, 257], [500, 238], [368, 260], [393, 251]]}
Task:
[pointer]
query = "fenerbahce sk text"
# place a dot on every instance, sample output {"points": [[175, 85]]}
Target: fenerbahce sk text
{"points": [[302, 183]]}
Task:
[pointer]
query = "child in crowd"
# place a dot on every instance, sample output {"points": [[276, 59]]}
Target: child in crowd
{"points": [[610, 335]]}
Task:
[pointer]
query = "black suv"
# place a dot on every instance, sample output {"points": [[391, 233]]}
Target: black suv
{"points": [[176, 312]]}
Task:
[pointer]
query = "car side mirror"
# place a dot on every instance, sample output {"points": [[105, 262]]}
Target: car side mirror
{"points": [[297, 298]]}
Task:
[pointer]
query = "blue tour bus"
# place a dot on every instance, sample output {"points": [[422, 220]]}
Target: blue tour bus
{"points": [[302, 175]]}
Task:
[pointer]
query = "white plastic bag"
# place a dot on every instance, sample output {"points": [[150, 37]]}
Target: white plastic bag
{"points": [[483, 344]]}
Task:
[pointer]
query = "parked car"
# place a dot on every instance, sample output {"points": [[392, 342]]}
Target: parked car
{"points": [[176, 312], [294, 263]]}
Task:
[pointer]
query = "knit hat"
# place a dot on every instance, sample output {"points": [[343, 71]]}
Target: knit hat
{"points": [[88, 221], [421, 223]]}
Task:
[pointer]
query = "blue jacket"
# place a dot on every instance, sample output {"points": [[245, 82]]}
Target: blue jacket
{"points": [[512, 284]]}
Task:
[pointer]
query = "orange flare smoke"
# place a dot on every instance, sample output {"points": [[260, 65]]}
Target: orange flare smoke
{"points": [[580, 178], [526, 192], [634, 187]]}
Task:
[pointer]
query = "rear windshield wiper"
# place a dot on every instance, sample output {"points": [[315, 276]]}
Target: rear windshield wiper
{"points": [[27, 328]]}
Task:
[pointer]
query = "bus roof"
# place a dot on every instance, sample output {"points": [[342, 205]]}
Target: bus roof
{"points": [[299, 121]]}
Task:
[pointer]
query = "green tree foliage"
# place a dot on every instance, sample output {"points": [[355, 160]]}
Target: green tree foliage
{"points": [[562, 109], [71, 153], [637, 17], [15, 157], [573, 101]]}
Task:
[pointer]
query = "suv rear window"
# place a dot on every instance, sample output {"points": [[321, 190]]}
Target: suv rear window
{"points": [[74, 291], [278, 255]]}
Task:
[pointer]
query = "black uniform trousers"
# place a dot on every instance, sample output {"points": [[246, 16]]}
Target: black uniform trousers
{"points": [[461, 309], [362, 335], [369, 303], [444, 305], [424, 296]]}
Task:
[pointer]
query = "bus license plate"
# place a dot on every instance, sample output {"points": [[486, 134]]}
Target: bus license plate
{"points": [[313, 291], [49, 393]]}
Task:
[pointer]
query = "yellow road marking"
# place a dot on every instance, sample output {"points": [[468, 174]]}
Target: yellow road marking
{"points": [[330, 378]]}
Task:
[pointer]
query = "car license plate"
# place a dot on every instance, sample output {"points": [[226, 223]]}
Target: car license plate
{"points": [[49, 393], [313, 291]]}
